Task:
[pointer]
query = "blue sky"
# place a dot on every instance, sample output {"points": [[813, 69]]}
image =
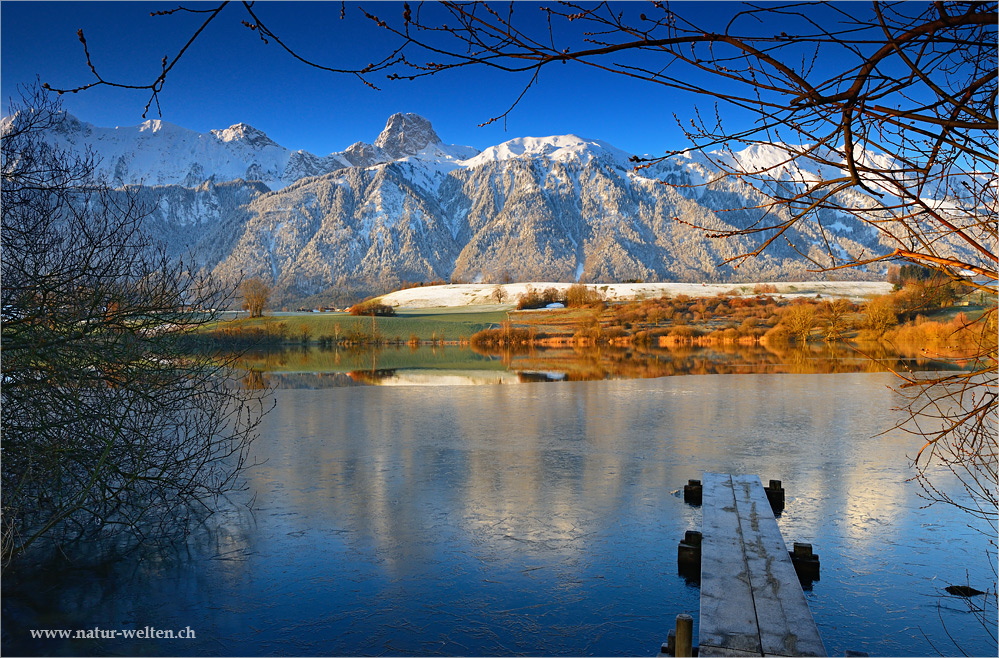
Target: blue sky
{"points": [[229, 76]]}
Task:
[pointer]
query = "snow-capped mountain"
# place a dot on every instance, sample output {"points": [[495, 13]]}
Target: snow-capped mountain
{"points": [[558, 148], [409, 207], [159, 153]]}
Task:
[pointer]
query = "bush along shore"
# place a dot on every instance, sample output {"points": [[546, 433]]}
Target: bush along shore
{"points": [[935, 316]]}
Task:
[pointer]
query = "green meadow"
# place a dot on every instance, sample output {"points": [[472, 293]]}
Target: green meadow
{"points": [[426, 325]]}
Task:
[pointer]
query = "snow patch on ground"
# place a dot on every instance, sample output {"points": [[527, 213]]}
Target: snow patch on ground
{"points": [[271, 247], [475, 294]]}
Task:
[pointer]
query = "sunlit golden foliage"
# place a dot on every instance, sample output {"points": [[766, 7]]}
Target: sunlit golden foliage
{"points": [[880, 315], [960, 335], [800, 320]]}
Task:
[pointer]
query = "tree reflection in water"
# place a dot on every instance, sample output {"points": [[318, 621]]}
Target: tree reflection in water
{"points": [[312, 367]]}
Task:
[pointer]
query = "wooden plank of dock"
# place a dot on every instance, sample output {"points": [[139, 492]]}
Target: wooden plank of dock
{"points": [[751, 600]]}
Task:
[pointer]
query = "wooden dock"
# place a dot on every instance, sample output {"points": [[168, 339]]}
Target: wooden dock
{"points": [[752, 603]]}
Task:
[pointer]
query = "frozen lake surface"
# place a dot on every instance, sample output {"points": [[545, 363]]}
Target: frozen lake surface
{"points": [[539, 519]]}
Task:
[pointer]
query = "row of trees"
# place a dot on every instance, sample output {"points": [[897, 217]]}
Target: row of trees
{"points": [[726, 319], [576, 295]]}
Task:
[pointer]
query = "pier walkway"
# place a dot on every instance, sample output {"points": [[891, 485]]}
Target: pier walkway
{"points": [[752, 603]]}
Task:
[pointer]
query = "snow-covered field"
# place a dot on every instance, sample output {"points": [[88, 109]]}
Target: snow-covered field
{"points": [[474, 294]]}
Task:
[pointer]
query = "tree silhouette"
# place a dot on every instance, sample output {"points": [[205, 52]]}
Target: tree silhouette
{"points": [[108, 422]]}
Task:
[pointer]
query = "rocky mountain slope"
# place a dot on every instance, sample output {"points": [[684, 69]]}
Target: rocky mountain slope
{"points": [[409, 207]]}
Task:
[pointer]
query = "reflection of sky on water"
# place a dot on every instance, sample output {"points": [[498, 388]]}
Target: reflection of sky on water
{"points": [[542, 519], [439, 378]]}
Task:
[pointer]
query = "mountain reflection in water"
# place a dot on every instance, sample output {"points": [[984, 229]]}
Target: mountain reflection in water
{"points": [[311, 367]]}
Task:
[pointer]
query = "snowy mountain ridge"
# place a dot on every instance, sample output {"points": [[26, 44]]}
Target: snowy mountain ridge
{"points": [[409, 207], [555, 148], [156, 152]]}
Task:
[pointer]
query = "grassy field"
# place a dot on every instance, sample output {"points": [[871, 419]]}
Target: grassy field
{"points": [[556, 322], [425, 325], [619, 320]]}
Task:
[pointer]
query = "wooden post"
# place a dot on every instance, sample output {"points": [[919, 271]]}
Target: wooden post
{"points": [[692, 492], [669, 647], [806, 563], [688, 556], [775, 495], [684, 635]]}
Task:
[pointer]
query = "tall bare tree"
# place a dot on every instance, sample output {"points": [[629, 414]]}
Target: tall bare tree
{"points": [[255, 295], [885, 113], [107, 422]]}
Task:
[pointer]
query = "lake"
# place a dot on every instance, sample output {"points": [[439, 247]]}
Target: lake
{"points": [[537, 519]]}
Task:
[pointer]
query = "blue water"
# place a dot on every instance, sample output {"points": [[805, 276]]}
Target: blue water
{"points": [[537, 519]]}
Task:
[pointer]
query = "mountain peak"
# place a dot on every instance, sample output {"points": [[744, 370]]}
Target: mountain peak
{"points": [[241, 132], [553, 147], [160, 126], [406, 134]]}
